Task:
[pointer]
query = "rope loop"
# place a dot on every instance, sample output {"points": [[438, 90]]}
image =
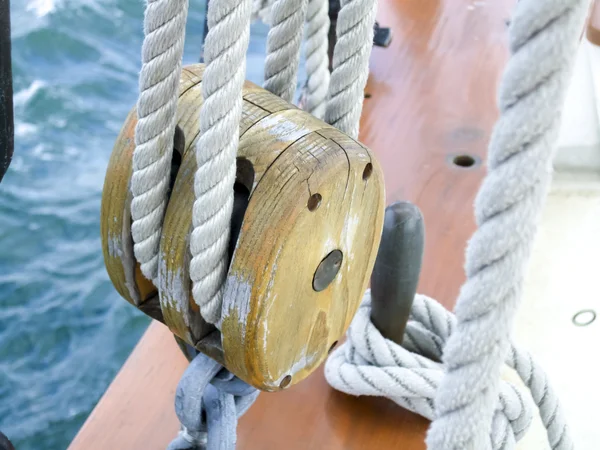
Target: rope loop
{"points": [[208, 402], [410, 375], [162, 51]]}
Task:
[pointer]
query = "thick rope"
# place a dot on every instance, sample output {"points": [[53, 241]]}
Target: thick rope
{"points": [[225, 54], [162, 50], [544, 38], [354, 31], [551, 413], [283, 47], [317, 57], [369, 364]]}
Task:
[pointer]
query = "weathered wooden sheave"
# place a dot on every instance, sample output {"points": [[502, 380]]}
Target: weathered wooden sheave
{"points": [[313, 200]]}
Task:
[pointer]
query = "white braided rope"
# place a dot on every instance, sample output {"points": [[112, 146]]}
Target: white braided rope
{"points": [[544, 37], [283, 47], [162, 50], [409, 375], [225, 55], [355, 29], [317, 58]]}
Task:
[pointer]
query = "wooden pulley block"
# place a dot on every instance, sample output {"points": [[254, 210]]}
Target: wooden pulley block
{"points": [[305, 233]]}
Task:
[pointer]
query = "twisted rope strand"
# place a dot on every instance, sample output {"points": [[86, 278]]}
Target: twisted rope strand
{"points": [[544, 397], [283, 47], [261, 10], [317, 57], [162, 50], [507, 209], [216, 150], [351, 54]]}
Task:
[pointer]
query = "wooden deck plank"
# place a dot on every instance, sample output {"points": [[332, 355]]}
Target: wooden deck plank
{"points": [[432, 98]]}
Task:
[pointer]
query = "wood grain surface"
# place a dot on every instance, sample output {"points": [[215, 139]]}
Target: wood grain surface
{"points": [[432, 100], [312, 191]]}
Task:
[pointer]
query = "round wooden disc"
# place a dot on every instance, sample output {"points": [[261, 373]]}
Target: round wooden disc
{"points": [[305, 251]]}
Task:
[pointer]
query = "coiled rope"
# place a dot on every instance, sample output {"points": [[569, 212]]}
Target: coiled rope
{"points": [[469, 399]]}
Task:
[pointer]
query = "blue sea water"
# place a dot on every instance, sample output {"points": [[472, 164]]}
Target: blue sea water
{"points": [[64, 331]]}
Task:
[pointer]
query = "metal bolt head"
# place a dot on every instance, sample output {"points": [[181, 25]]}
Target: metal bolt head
{"points": [[327, 270]]}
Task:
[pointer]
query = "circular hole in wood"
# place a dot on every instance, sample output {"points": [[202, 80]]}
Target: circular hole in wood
{"points": [[314, 202], [285, 382], [584, 318], [332, 347], [368, 171], [464, 161], [327, 270]]}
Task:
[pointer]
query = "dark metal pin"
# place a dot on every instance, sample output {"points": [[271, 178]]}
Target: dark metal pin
{"points": [[327, 270], [6, 90], [204, 33], [397, 269]]}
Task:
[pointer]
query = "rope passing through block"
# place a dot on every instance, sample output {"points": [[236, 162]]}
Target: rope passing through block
{"points": [[298, 181], [295, 174], [544, 38]]}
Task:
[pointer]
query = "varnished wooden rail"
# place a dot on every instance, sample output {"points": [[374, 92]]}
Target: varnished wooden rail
{"points": [[432, 102]]}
